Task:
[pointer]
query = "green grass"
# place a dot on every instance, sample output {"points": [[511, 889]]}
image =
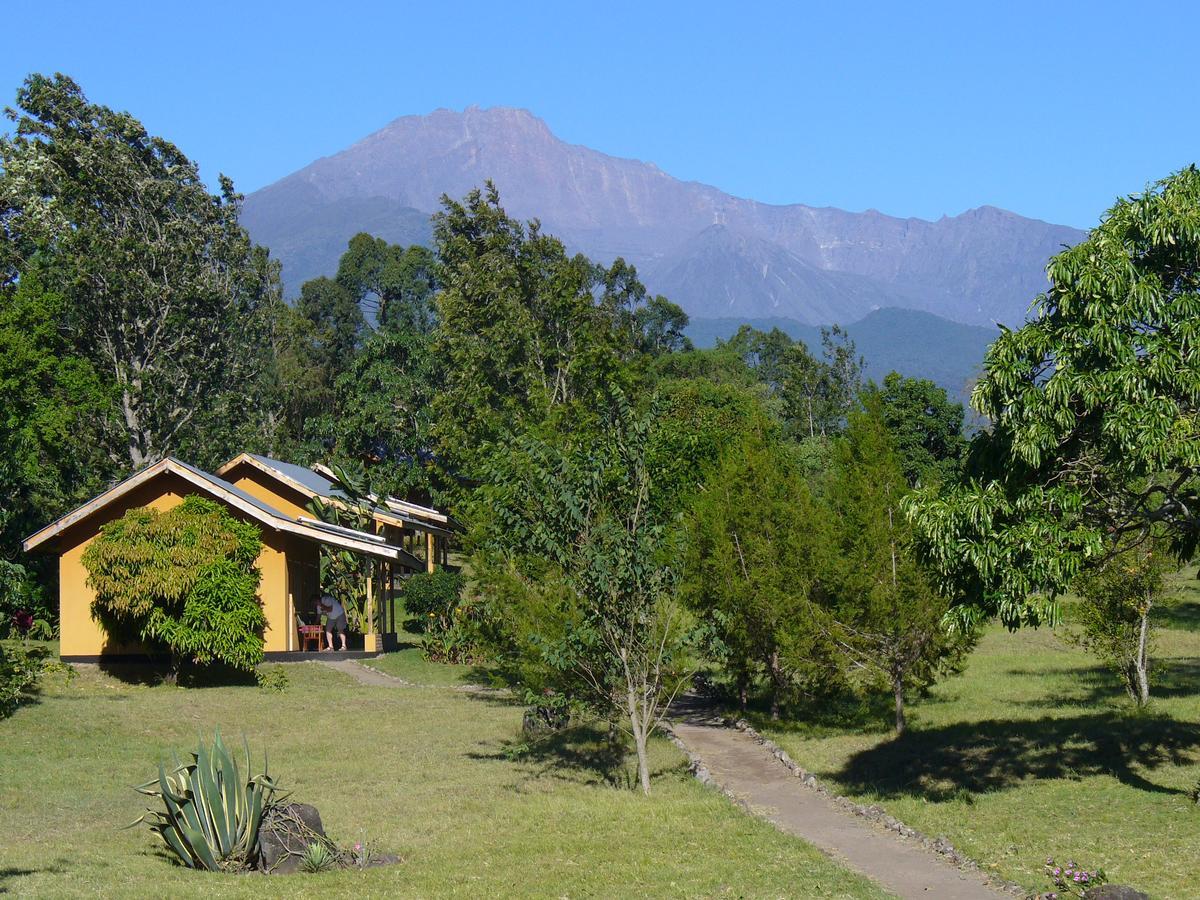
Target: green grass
{"points": [[1034, 751], [410, 664], [427, 772]]}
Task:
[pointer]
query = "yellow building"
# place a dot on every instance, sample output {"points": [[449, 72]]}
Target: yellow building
{"points": [[288, 562]]}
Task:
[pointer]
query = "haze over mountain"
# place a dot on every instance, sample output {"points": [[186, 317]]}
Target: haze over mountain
{"points": [[714, 254]]}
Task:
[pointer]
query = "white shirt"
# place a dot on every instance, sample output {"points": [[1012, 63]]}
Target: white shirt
{"points": [[335, 609]]}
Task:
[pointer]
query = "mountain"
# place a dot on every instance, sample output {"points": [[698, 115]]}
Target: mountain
{"points": [[715, 254], [889, 340]]}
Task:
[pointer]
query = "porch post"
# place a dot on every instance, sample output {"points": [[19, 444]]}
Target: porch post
{"points": [[371, 642], [429, 551]]}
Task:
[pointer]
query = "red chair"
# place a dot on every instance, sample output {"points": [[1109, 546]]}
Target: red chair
{"points": [[308, 633]]}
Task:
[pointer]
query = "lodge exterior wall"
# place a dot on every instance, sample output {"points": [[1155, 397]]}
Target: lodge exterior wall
{"points": [[81, 636]]}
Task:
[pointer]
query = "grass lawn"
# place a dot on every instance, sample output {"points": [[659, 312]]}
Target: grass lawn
{"points": [[420, 771], [410, 664], [1034, 751]]}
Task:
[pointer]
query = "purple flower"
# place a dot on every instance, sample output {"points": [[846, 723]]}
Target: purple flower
{"points": [[22, 621]]}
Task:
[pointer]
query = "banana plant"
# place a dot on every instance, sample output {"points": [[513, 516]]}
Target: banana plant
{"points": [[211, 814]]}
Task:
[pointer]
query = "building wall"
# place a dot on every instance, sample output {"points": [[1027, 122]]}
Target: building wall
{"points": [[82, 636], [262, 486]]}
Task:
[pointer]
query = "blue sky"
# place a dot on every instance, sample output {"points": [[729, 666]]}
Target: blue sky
{"points": [[1050, 109]]}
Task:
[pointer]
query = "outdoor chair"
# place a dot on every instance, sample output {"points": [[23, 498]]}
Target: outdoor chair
{"points": [[308, 633]]}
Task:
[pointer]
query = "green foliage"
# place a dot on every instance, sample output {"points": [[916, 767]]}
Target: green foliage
{"points": [[22, 665], [185, 578], [163, 288], [1114, 615], [435, 603], [383, 402], [576, 568], [522, 339], [55, 412], [887, 613], [337, 325], [396, 283], [272, 678], [211, 812], [695, 422], [926, 428], [23, 610], [818, 394], [1093, 405], [759, 552], [317, 858]]}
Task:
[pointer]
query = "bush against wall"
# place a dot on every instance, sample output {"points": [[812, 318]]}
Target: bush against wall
{"points": [[185, 579], [434, 601]]}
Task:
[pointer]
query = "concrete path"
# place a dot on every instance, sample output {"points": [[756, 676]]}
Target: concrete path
{"points": [[750, 773], [364, 674]]}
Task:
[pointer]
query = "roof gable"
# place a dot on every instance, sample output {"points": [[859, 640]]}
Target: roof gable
{"points": [[220, 489]]}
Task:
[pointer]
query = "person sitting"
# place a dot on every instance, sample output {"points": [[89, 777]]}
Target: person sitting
{"points": [[335, 619]]}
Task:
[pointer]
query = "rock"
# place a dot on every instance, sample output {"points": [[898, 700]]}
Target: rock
{"points": [[285, 834], [540, 721], [1115, 892]]}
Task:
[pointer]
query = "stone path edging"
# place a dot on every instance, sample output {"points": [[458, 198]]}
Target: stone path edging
{"points": [[873, 812], [739, 777]]}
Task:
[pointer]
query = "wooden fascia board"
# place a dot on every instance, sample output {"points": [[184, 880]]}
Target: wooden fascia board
{"points": [[58, 526]]}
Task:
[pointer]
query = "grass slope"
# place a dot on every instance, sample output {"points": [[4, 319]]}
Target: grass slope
{"points": [[1034, 751], [426, 772]]}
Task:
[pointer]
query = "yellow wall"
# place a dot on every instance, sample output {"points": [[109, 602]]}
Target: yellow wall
{"points": [[83, 636], [271, 491]]}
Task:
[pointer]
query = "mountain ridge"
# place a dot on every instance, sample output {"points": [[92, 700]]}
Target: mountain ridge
{"points": [[822, 264]]}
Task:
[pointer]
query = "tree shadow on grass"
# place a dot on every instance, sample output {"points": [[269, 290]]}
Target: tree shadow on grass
{"points": [[152, 672], [1179, 616], [940, 763], [1177, 676], [580, 754], [7, 873]]}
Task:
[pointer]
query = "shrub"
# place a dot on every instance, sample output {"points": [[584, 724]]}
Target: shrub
{"points": [[1114, 613], [23, 609], [185, 579], [431, 599], [20, 668], [318, 858], [211, 813], [435, 602], [1072, 880], [272, 678]]}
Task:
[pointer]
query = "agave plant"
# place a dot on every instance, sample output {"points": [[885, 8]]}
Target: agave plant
{"points": [[318, 857], [212, 813]]}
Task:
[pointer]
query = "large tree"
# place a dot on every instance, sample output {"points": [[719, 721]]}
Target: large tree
{"points": [[397, 284], [1094, 441], [926, 427], [54, 414], [574, 557], [758, 558], [521, 336], [162, 283], [886, 612]]}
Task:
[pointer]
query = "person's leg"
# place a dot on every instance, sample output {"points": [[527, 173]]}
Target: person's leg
{"points": [[342, 634], [328, 638]]}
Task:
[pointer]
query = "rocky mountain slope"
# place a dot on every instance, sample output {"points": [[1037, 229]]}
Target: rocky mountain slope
{"points": [[714, 254]]}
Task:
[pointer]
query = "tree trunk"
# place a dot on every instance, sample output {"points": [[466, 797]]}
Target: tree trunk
{"points": [[743, 691], [898, 692], [639, 738], [1141, 664], [776, 683]]}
